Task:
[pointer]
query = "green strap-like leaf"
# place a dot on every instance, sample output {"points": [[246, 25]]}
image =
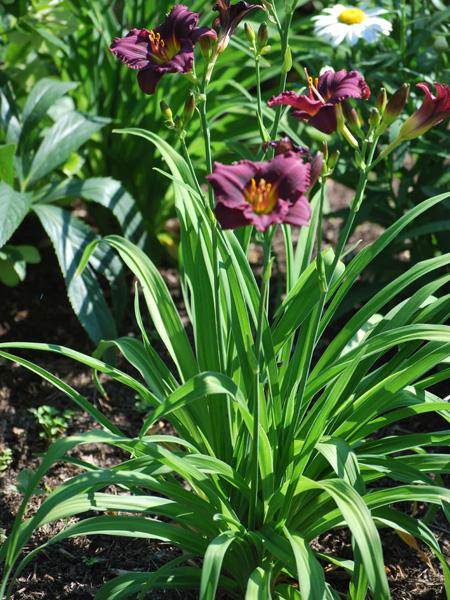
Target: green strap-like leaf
{"points": [[309, 571], [212, 564]]}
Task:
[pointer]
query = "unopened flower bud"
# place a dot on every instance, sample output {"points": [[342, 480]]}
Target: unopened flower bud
{"points": [[250, 33], [343, 129], [316, 168], [263, 36], [394, 108], [189, 109], [397, 103], [381, 101], [287, 62], [207, 43], [351, 116], [333, 160], [374, 117], [166, 112]]}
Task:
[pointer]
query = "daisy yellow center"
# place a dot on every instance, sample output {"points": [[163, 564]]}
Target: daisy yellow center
{"points": [[261, 196], [352, 16]]}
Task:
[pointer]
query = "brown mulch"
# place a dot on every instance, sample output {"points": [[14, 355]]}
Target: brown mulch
{"points": [[39, 311]]}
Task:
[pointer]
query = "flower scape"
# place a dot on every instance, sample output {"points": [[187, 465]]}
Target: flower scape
{"points": [[276, 419]]}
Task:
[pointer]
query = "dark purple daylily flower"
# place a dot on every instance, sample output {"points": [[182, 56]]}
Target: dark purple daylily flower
{"points": [[262, 193], [230, 15], [169, 48], [434, 109], [325, 93]]}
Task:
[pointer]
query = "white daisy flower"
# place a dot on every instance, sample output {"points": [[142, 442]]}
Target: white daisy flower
{"points": [[349, 23]]}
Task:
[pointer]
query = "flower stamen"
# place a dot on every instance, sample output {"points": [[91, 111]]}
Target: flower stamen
{"points": [[261, 196], [313, 84]]}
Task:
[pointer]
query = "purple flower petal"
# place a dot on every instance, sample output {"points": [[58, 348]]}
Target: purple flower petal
{"points": [[298, 101], [168, 48], [299, 213], [148, 79], [132, 49], [230, 218], [337, 86], [325, 119], [288, 173], [230, 181]]}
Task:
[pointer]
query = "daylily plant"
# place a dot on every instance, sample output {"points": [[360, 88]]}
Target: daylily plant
{"points": [[325, 93], [168, 48], [284, 412]]}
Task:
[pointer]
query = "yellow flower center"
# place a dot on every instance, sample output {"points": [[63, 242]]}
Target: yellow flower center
{"points": [[352, 16], [262, 196], [162, 50]]}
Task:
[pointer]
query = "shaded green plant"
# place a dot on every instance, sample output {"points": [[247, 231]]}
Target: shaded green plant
{"points": [[38, 170], [6, 458], [54, 422]]}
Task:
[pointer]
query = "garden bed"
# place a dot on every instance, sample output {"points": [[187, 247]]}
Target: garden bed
{"points": [[75, 569]]}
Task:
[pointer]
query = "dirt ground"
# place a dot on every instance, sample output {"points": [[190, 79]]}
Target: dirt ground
{"points": [[39, 311]]}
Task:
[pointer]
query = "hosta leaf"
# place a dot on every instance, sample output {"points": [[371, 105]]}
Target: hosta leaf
{"points": [[105, 191], [14, 207], [7, 163], [69, 236], [43, 95], [64, 137]]}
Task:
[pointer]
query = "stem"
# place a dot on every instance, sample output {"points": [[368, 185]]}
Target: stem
{"points": [[214, 240], [283, 79], [311, 336], [263, 309], [190, 165], [403, 29], [259, 111]]}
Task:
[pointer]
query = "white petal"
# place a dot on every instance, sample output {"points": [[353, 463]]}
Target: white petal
{"points": [[381, 24], [370, 35], [374, 12]]}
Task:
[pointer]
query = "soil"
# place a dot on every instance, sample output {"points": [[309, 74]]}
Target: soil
{"points": [[38, 310]]}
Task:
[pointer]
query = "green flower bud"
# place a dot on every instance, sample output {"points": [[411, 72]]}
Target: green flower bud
{"points": [[250, 33], [381, 101], [189, 109], [394, 108], [166, 112], [263, 36], [374, 117]]}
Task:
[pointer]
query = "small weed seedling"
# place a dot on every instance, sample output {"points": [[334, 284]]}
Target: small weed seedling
{"points": [[5, 458], [53, 421]]}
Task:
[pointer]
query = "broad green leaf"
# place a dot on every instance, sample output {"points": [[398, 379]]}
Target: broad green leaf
{"points": [[60, 140], [69, 237], [14, 207], [105, 191], [43, 95], [7, 153]]}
